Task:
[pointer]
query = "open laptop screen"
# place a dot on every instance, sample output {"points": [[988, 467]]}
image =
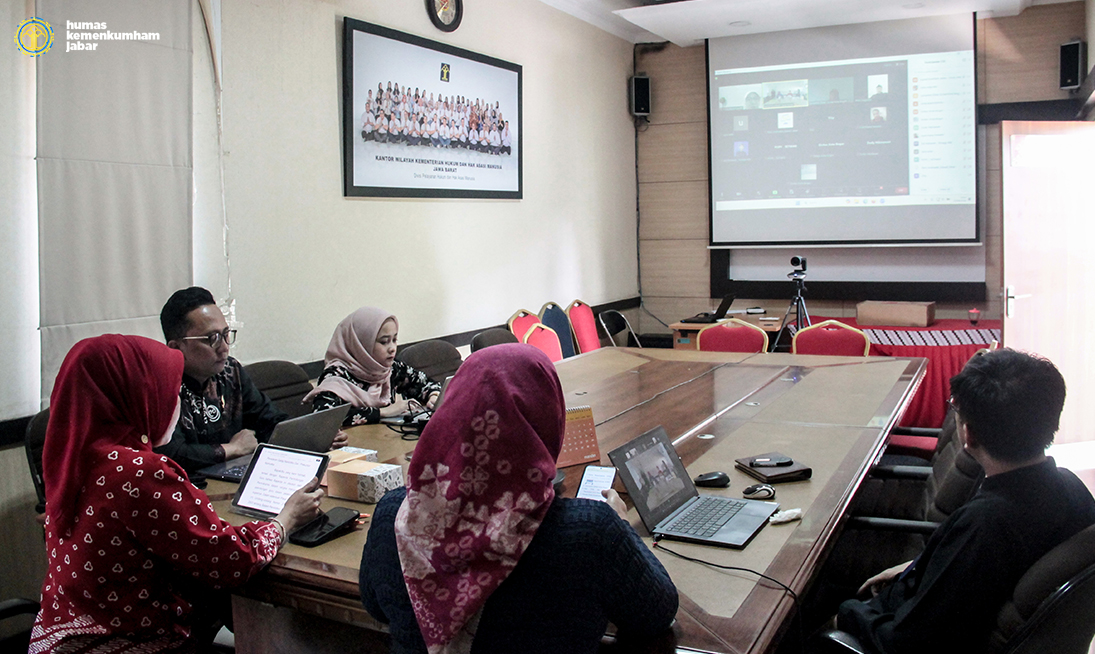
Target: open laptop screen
{"points": [[654, 476]]}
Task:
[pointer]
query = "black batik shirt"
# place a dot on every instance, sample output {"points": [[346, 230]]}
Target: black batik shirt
{"points": [[215, 412], [408, 382]]}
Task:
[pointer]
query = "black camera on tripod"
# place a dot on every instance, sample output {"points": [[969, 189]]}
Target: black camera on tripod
{"points": [[799, 263]]}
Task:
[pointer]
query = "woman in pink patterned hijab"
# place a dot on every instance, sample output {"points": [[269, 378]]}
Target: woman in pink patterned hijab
{"points": [[479, 555], [479, 485]]}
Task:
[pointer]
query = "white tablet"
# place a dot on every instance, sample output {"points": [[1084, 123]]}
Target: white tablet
{"points": [[275, 474]]}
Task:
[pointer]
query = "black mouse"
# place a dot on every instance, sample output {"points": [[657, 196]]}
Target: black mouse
{"points": [[713, 480]]}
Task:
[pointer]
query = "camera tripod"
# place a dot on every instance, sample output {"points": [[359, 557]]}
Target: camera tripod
{"points": [[798, 304]]}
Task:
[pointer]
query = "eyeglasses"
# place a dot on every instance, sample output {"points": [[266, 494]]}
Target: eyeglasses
{"points": [[953, 407], [214, 339]]}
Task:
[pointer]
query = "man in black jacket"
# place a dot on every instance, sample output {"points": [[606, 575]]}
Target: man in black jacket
{"points": [[1007, 406]]}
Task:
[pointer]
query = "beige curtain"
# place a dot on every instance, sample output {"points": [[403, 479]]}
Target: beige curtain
{"points": [[114, 171]]}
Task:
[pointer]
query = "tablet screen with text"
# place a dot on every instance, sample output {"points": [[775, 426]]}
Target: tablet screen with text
{"points": [[275, 473]]}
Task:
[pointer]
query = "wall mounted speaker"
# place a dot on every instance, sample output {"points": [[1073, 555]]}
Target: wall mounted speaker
{"points": [[1073, 64], [640, 95]]}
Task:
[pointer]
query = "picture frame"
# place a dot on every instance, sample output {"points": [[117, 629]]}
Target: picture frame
{"points": [[425, 119]]}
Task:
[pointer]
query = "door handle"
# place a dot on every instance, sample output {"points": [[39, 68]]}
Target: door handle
{"points": [[1009, 300]]}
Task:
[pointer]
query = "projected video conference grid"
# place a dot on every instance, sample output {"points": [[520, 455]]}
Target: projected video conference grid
{"points": [[891, 133]]}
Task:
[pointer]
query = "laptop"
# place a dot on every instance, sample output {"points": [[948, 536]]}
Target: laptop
{"points": [[719, 314], [313, 432], [669, 504], [275, 473]]}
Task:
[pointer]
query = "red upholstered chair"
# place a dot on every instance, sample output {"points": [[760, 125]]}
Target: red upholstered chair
{"points": [[520, 322], [832, 338], [732, 335], [544, 339], [584, 325]]}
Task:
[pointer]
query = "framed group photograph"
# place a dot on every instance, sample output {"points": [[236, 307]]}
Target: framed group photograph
{"points": [[426, 119]]}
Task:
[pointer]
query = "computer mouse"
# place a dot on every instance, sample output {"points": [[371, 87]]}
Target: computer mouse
{"points": [[713, 480], [759, 492]]}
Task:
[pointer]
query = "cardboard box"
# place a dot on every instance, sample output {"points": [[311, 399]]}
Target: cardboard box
{"points": [[363, 481], [345, 454], [895, 314]]}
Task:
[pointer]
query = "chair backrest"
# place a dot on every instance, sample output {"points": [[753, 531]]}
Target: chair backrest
{"points": [[1052, 608], [584, 325], [544, 339], [832, 338], [492, 336], [614, 322], [552, 315], [520, 322], [33, 443], [732, 335], [436, 359], [284, 382]]}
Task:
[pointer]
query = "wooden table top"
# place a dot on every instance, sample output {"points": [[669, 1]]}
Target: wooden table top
{"points": [[831, 413]]}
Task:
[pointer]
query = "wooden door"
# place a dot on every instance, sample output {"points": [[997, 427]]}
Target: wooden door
{"points": [[1049, 256]]}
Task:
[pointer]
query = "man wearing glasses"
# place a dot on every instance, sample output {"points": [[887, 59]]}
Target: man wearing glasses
{"points": [[1007, 405], [223, 415]]}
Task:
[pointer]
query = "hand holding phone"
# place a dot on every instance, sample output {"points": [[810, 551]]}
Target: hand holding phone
{"points": [[594, 480]]}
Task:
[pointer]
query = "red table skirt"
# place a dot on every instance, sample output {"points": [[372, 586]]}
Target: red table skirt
{"points": [[945, 360]]}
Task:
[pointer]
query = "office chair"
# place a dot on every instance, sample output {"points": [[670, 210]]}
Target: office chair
{"points": [[732, 335], [520, 322], [552, 315], [19, 641], [614, 322], [584, 325], [544, 339], [492, 336], [33, 443], [832, 338], [437, 359], [1052, 608], [284, 382]]}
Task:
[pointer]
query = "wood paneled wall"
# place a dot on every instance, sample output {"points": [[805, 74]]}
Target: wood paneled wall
{"points": [[1017, 62]]}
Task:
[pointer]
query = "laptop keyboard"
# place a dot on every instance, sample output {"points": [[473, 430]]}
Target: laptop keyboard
{"points": [[705, 517]]}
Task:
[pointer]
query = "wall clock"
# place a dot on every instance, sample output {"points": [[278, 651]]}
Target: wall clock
{"points": [[445, 14]]}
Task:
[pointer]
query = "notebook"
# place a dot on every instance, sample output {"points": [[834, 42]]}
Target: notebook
{"points": [[275, 473], [669, 504], [580, 439], [313, 432], [774, 475], [719, 314]]}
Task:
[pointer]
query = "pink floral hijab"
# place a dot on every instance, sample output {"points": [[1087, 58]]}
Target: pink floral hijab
{"points": [[351, 347], [480, 484]]}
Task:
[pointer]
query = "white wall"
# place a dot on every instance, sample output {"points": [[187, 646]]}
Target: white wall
{"points": [[303, 256]]}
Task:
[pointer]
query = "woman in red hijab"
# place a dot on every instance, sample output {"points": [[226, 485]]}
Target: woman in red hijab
{"points": [[479, 555], [126, 532]]}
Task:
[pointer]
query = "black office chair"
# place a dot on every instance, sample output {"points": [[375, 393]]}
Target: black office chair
{"points": [[9, 609], [33, 443], [1052, 608], [492, 336], [614, 322], [284, 382], [436, 359]]}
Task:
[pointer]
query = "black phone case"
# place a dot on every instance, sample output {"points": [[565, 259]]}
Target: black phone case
{"points": [[328, 526]]}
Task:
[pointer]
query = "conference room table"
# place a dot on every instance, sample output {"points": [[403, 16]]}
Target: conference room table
{"points": [[831, 413]]}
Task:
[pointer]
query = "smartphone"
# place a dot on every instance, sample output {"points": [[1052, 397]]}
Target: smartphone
{"points": [[594, 480], [771, 462], [327, 526]]}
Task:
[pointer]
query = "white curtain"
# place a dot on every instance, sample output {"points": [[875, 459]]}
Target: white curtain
{"points": [[114, 172]]}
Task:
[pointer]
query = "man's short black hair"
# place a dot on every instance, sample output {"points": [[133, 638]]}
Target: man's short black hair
{"points": [[173, 315], [1010, 402]]}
